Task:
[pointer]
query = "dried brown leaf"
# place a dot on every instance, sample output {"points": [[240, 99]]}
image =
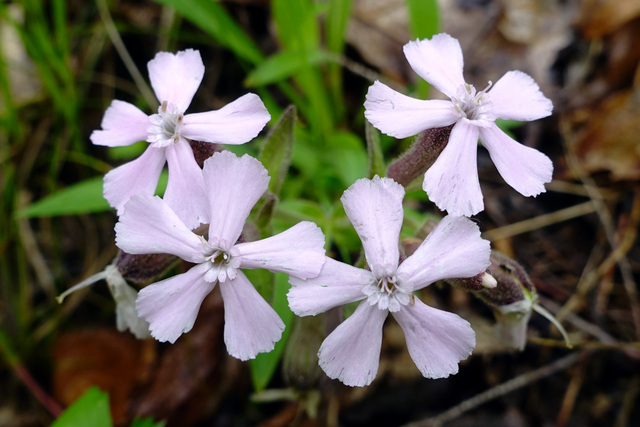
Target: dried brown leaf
{"points": [[115, 362], [601, 17], [610, 138]]}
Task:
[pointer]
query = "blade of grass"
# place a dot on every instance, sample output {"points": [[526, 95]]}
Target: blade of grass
{"points": [[336, 27], [214, 19], [424, 22]]}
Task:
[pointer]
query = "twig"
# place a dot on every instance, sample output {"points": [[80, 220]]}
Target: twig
{"points": [[498, 391], [570, 395], [607, 223], [539, 221]]}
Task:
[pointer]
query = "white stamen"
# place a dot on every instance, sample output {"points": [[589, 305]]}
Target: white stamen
{"points": [[388, 294], [165, 126]]}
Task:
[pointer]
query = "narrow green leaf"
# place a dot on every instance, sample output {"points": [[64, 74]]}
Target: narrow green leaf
{"points": [[214, 19], [284, 65], [424, 22], [265, 364], [298, 30], [374, 149], [423, 18], [336, 27], [80, 198], [90, 410], [278, 147], [339, 11], [296, 23]]}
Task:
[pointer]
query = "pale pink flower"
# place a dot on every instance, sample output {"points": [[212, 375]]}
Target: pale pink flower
{"points": [[452, 182], [175, 79], [148, 225], [437, 340]]}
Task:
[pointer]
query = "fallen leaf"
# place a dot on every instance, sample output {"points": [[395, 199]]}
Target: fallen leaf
{"points": [[610, 139], [601, 17], [115, 362]]}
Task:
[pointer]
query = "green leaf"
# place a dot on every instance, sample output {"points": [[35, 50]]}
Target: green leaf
{"points": [[374, 149], [146, 422], [298, 30], [348, 157], [296, 24], [214, 19], [336, 26], [90, 410], [278, 147], [283, 65], [339, 11], [424, 22], [80, 198], [423, 18], [265, 364]]}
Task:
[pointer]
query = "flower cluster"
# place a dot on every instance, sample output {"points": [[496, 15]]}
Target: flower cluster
{"points": [[222, 194]]}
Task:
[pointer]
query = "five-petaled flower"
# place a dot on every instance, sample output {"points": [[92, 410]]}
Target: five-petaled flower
{"points": [[437, 340], [175, 79], [234, 185], [452, 181]]}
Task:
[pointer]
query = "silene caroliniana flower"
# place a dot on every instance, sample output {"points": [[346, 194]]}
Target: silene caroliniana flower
{"points": [[175, 79], [436, 340], [452, 181], [233, 186]]}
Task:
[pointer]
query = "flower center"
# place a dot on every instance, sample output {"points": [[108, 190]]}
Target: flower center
{"points": [[223, 266], [387, 293], [165, 126], [473, 105]]}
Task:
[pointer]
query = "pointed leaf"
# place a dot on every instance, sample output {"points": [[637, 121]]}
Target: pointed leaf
{"points": [[277, 149], [282, 65], [81, 198], [212, 17], [90, 410], [374, 149]]}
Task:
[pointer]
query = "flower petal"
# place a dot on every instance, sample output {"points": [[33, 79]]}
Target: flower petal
{"points": [[337, 284], [439, 61], [122, 124], [149, 226], [351, 353], [233, 185], [171, 305], [235, 123], [453, 249], [524, 168], [138, 176], [125, 297], [175, 78], [400, 116], [185, 187], [437, 340], [452, 182], [516, 96], [298, 251], [375, 210], [251, 326]]}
